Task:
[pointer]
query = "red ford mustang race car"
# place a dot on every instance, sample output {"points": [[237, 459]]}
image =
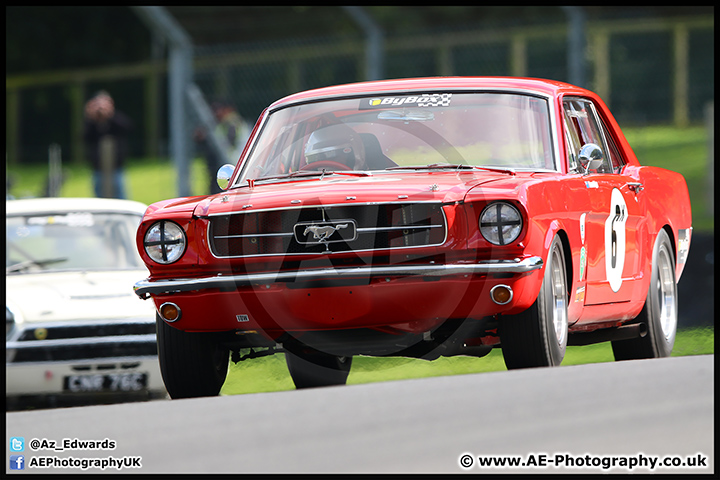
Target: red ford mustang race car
{"points": [[419, 218]]}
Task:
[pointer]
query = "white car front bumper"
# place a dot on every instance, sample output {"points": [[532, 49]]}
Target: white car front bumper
{"points": [[121, 375], [114, 356]]}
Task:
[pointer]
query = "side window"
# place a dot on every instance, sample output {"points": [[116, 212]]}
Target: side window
{"points": [[573, 144], [616, 159], [582, 127]]}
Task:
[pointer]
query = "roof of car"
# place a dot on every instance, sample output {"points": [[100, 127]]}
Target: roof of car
{"points": [[538, 85], [46, 205]]}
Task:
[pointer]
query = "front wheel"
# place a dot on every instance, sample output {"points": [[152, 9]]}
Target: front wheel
{"points": [[192, 364], [317, 369], [660, 310], [538, 336]]}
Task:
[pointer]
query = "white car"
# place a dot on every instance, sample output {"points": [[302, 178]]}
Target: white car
{"points": [[74, 326]]}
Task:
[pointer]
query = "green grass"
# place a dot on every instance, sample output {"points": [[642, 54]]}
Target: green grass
{"points": [[147, 180], [269, 374]]}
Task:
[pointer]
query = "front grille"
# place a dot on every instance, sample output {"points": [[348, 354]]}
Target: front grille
{"points": [[67, 341], [85, 352], [375, 227], [64, 331]]}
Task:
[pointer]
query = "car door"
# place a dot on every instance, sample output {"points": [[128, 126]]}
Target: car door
{"points": [[616, 206]]}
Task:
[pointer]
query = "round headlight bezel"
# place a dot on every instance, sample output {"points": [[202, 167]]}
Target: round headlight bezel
{"points": [[161, 242], [501, 223]]}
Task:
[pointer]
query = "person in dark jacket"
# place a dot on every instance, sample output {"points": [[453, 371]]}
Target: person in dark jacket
{"points": [[105, 134]]}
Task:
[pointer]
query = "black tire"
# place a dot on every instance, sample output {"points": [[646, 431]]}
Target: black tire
{"points": [[660, 310], [538, 336], [192, 364], [317, 369]]}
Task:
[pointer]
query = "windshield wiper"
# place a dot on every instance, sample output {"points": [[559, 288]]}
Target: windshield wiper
{"points": [[313, 173], [432, 166], [299, 173], [351, 173], [28, 263], [495, 169], [453, 166]]}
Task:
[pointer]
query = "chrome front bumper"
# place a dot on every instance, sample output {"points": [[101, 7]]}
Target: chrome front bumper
{"points": [[145, 288]]}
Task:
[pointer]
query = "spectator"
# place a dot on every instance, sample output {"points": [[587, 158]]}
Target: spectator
{"points": [[230, 126], [105, 135]]}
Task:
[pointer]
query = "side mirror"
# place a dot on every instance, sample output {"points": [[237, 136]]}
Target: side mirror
{"points": [[591, 157], [224, 175]]}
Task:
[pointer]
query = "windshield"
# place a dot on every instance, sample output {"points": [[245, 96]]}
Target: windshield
{"points": [[71, 241], [444, 130]]}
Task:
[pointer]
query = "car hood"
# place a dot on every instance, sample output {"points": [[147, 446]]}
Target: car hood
{"points": [[61, 296], [441, 186]]}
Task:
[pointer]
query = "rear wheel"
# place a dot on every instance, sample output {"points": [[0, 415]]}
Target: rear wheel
{"points": [[538, 336], [317, 369], [660, 310], [192, 364]]}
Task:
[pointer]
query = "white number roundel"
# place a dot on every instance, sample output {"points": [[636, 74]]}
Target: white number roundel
{"points": [[615, 240]]}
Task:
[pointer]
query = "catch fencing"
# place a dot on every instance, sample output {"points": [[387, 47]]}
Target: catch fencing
{"points": [[649, 71]]}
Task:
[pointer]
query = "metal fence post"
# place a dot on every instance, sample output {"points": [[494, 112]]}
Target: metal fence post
{"points": [[374, 53], [518, 55], [12, 126], [107, 147], [710, 128], [576, 45], [601, 59], [180, 75], [681, 81], [179, 144], [55, 170]]}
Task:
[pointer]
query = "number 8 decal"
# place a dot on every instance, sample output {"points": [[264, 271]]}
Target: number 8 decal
{"points": [[615, 240]]}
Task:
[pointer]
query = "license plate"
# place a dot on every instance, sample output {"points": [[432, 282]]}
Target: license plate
{"points": [[109, 382]]}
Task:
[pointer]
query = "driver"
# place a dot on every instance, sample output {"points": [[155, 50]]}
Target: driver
{"points": [[336, 143]]}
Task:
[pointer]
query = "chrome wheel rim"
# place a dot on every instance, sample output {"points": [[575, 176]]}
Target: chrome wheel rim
{"points": [[559, 298], [666, 293]]}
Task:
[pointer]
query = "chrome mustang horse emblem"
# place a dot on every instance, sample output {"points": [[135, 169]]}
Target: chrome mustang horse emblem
{"points": [[322, 233]]}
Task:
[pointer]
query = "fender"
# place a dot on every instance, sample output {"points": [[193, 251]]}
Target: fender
{"points": [[552, 215], [674, 215]]}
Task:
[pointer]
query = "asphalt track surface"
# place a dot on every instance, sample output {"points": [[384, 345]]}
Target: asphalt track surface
{"points": [[634, 410]]}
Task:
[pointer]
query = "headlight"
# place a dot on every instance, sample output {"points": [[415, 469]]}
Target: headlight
{"points": [[500, 223], [164, 242], [9, 321]]}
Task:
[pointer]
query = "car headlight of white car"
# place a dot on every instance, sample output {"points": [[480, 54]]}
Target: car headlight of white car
{"points": [[9, 321]]}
